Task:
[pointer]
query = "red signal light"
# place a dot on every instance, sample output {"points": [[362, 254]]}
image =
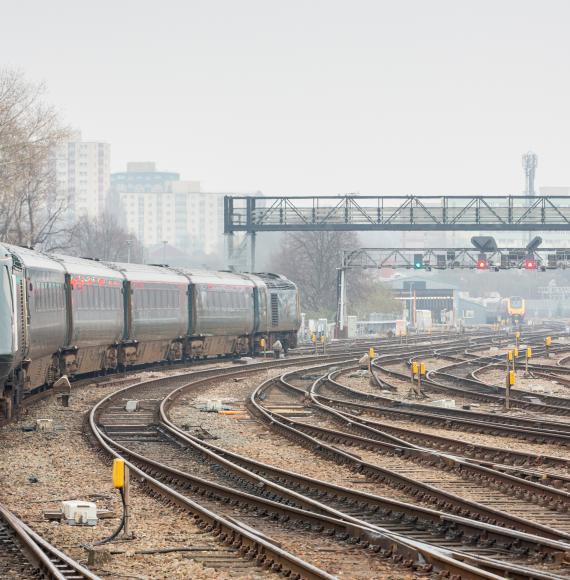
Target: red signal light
{"points": [[482, 264], [530, 264]]}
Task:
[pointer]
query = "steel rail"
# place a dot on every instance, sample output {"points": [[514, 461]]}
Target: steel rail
{"points": [[46, 560], [405, 546], [229, 532], [281, 424], [370, 502], [538, 430], [451, 501], [474, 450], [387, 544], [376, 437]]}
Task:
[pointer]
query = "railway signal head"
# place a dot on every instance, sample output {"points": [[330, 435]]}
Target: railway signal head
{"points": [[530, 264], [482, 264], [418, 261]]}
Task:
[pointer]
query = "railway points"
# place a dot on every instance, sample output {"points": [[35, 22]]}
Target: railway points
{"points": [[214, 481]]}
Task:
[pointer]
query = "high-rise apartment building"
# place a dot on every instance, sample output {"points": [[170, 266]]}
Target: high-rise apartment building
{"points": [[159, 207], [82, 172]]}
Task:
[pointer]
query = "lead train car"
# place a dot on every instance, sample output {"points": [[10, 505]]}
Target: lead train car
{"points": [[63, 315]]}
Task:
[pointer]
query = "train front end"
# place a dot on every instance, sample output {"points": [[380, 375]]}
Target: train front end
{"points": [[516, 309], [8, 340]]}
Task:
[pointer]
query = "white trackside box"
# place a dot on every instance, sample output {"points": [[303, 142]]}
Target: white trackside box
{"points": [[79, 513]]}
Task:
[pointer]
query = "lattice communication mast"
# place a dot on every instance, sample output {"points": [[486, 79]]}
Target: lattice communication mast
{"points": [[529, 162]]}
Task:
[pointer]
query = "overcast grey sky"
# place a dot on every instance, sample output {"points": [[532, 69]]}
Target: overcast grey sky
{"points": [[425, 97]]}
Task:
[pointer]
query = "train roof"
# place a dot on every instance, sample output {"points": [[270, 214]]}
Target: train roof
{"points": [[5, 256], [147, 273], [215, 277], [276, 281], [86, 267], [34, 259]]}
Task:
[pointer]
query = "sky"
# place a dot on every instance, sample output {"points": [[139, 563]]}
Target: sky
{"points": [[310, 97]]}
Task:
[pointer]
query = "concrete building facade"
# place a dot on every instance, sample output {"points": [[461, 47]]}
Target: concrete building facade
{"points": [[82, 172], [159, 207]]}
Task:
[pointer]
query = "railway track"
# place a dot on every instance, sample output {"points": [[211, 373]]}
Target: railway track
{"points": [[471, 462], [447, 531], [295, 431], [401, 456], [230, 502], [24, 554], [144, 438], [219, 500]]}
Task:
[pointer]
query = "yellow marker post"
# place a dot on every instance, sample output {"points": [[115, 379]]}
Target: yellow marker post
{"points": [[370, 357], [121, 482], [547, 344], [528, 355], [414, 369], [118, 473], [511, 379], [421, 373], [323, 342], [262, 344]]}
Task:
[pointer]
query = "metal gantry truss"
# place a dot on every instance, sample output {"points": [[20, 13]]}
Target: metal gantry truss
{"points": [[449, 258], [495, 259], [396, 213]]}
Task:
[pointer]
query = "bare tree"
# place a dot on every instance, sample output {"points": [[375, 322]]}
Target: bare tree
{"points": [[31, 211], [311, 259], [105, 239]]}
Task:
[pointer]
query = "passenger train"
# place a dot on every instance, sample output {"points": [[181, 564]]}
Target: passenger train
{"points": [[513, 310], [61, 315]]}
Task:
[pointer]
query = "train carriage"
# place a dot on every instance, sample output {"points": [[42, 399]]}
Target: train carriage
{"points": [[95, 316], [156, 313], [221, 313], [44, 332]]}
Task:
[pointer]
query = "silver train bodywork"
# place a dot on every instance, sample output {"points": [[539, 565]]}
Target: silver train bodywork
{"points": [[61, 315]]}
